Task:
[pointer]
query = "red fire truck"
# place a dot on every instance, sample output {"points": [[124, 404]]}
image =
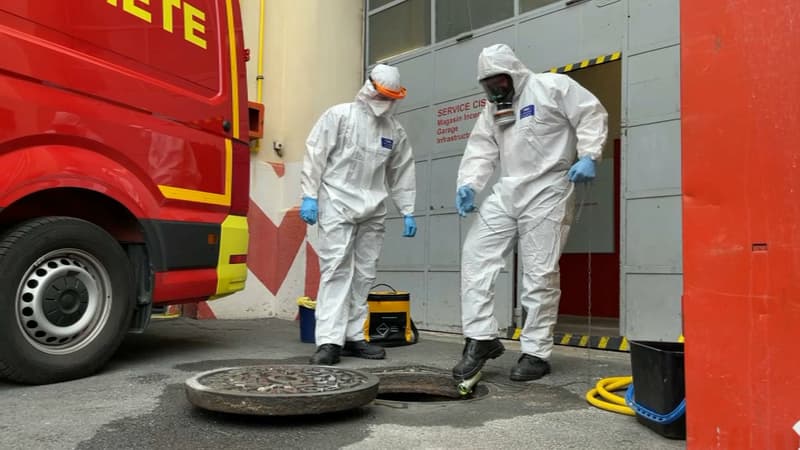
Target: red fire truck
{"points": [[125, 172]]}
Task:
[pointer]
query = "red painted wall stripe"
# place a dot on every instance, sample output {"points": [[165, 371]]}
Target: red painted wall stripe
{"points": [[272, 249], [312, 272], [199, 311], [279, 168]]}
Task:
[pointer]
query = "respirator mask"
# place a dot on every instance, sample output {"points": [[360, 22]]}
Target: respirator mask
{"points": [[500, 91], [380, 105]]}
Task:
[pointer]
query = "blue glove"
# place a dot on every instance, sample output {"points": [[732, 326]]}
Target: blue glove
{"points": [[582, 171], [309, 210], [465, 200], [410, 226]]}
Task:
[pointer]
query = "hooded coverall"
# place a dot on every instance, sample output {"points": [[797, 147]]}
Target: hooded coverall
{"points": [[557, 120], [353, 154]]}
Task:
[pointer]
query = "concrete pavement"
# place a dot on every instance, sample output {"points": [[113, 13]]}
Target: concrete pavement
{"points": [[138, 401]]}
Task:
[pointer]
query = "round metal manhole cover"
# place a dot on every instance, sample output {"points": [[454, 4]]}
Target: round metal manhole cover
{"points": [[281, 390]]}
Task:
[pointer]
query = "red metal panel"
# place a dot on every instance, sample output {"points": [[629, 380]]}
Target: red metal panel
{"points": [[605, 269], [575, 287], [741, 185], [184, 285], [136, 100], [107, 51], [91, 74]]}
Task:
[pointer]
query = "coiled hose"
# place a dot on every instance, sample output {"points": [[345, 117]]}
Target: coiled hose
{"points": [[607, 400]]}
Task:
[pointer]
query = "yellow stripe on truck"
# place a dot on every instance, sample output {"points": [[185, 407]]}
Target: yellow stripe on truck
{"points": [[234, 67], [192, 195], [233, 241]]}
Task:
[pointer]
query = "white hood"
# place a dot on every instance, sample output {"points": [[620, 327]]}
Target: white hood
{"points": [[387, 76], [499, 58]]}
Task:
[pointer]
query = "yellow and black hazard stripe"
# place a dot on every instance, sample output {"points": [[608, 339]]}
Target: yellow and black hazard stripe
{"points": [[587, 63], [612, 343]]}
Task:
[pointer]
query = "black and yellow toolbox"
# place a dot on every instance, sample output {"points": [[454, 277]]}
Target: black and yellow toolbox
{"points": [[389, 321]]}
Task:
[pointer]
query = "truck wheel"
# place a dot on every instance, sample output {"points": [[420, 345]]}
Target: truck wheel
{"points": [[65, 299]]}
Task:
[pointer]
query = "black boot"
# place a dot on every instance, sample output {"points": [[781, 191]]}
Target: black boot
{"points": [[475, 355], [363, 349], [326, 355], [529, 368]]}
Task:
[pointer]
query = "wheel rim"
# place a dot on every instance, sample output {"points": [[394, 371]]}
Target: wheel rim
{"points": [[63, 301]]}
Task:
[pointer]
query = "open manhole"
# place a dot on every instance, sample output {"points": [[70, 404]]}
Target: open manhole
{"points": [[281, 390], [422, 385]]}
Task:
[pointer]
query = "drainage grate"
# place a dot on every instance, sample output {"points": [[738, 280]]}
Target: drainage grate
{"points": [[421, 385]]}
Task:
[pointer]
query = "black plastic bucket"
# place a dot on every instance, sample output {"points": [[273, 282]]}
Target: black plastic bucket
{"points": [[658, 390]]}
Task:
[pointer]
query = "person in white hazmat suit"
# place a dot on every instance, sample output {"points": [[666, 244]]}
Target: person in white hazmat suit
{"points": [[536, 126], [353, 154]]}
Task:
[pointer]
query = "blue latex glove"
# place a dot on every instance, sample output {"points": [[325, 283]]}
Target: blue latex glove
{"points": [[309, 210], [410, 226], [465, 200], [582, 171]]}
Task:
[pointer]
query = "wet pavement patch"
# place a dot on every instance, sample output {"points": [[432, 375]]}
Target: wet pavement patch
{"points": [[177, 424]]}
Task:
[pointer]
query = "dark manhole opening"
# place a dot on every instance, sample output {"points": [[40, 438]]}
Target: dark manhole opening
{"points": [[417, 397], [422, 385]]}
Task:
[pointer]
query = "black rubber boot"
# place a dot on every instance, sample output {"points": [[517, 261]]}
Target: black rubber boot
{"points": [[529, 368], [475, 355], [363, 349], [326, 355]]}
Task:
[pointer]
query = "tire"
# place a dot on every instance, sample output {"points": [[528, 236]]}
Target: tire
{"points": [[66, 299]]}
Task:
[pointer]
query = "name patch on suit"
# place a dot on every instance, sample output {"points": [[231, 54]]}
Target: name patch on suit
{"points": [[526, 111], [387, 143]]}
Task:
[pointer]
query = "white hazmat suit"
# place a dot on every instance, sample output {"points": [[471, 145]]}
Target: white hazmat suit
{"points": [[556, 120], [353, 154]]}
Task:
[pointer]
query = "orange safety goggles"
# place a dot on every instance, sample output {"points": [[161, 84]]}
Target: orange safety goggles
{"points": [[386, 92]]}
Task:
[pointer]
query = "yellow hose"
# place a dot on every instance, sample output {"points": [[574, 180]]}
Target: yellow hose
{"points": [[612, 402], [608, 401], [259, 71]]}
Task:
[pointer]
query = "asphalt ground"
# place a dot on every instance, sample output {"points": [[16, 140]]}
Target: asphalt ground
{"points": [[138, 401]]}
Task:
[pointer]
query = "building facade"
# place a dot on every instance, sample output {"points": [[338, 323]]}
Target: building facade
{"points": [[623, 258]]}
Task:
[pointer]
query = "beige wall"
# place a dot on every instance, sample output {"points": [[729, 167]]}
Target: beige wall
{"points": [[313, 59]]}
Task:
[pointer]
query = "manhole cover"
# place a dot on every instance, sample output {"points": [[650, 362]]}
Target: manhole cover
{"points": [[421, 384], [281, 390]]}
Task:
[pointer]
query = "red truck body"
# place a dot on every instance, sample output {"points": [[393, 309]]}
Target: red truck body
{"points": [[120, 119], [741, 223]]}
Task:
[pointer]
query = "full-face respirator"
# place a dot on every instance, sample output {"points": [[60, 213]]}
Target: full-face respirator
{"points": [[500, 91]]}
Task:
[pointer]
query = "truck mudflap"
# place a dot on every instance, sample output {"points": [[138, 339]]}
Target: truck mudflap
{"points": [[232, 264]]}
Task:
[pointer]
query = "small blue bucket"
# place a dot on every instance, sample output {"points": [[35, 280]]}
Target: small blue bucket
{"points": [[308, 324]]}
